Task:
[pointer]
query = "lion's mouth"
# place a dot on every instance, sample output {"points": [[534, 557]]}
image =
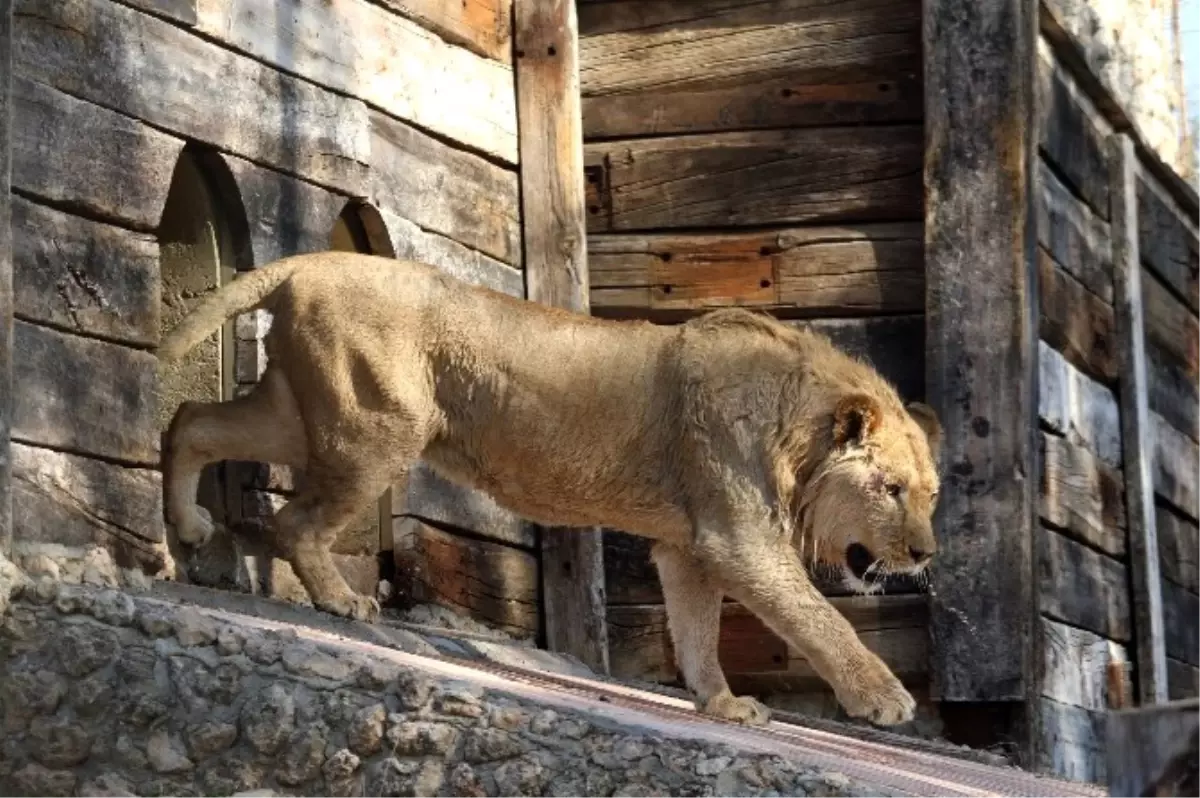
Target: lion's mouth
{"points": [[859, 560]]}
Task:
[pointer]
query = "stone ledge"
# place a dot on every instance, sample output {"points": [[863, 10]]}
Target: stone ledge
{"points": [[109, 692]]}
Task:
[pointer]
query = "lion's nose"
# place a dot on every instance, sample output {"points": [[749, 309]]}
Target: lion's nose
{"points": [[919, 555]]}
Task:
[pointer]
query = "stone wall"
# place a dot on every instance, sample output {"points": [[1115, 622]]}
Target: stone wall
{"points": [[105, 692], [1129, 44]]}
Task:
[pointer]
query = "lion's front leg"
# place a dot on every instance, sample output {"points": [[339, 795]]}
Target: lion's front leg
{"points": [[769, 580], [693, 600]]}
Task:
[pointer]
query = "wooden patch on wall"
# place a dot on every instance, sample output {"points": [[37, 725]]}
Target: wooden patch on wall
{"points": [[1075, 665], [84, 276], [1073, 234], [1178, 548], [483, 26], [1168, 244], [1075, 321], [1183, 680], [1078, 407], [1181, 623], [1170, 325], [870, 269], [654, 67], [84, 395], [816, 175], [1176, 467], [1082, 495], [1173, 394], [494, 583], [1082, 587]]}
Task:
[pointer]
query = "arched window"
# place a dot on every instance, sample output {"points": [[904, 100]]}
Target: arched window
{"points": [[359, 228], [202, 241]]}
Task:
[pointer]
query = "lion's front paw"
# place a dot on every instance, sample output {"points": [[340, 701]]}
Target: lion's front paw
{"points": [[883, 701], [196, 527], [739, 709], [353, 606]]}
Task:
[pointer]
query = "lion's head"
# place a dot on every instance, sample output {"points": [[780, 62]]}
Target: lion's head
{"points": [[867, 506]]}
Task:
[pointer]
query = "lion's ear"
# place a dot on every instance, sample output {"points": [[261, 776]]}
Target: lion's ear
{"points": [[855, 419], [927, 420]]}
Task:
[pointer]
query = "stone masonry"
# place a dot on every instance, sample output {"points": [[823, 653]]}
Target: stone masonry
{"points": [[120, 692]]}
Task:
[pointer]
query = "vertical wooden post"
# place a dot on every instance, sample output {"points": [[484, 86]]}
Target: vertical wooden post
{"points": [[6, 277], [1137, 443], [981, 367], [552, 204]]}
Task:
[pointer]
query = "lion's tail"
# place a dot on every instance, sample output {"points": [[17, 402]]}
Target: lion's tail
{"points": [[245, 293]]}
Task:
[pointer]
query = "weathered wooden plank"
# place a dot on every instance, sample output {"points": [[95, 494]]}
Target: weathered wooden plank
{"points": [[1081, 495], [1070, 742], [1076, 406], [819, 175], [182, 11], [1075, 321], [76, 501], [546, 37], [1181, 623], [1073, 235], [1183, 680], [1173, 394], [1176, 466], [290, 216], [445, 190], [6, 276], [410, 241], [84, 276], [105, 164], [1082, 587], [656, 67], [393, 63], [482, 26], [150, 69], [1167, 242], [84, 395], [1150, 749], [868, 269], [1075, 666], [494, 583], [1136, 428], [892, 626], [980, 339], [1072, 135], [1170, 325], [431, 498], [1178, 548]]}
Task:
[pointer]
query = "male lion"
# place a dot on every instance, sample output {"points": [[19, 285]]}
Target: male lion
{"points": [[731, 440]]}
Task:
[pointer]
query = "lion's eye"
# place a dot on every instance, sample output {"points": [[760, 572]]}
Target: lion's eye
{"points": [[894, 489]]}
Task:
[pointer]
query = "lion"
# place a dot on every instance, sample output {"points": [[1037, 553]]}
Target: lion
{"points": [[732, 440]]}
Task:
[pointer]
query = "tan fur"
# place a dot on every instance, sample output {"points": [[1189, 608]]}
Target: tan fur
{"points": [[735, 442]]}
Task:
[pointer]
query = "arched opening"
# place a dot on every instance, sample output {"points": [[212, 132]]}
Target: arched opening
{"points": [[359, 228], [203, 241]]}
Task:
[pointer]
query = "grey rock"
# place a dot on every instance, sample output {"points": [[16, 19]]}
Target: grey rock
{"points": [[209, 737], [106, 785], [414, 690], [264, 649], [631, 749], [164, 787], [166, 755], [377, 674], [463, 781], [395, 777], [26, 694], [126, 753], [194, 628], [267, 720], [84, 648], [490, 745], [711, 767], [33, 779], [508, 718], [636, 788], [12, 581], [229, 774], [230, 641], [59, 742], [113, 607], [365, 730], [524, 776], [573, 729], [420, 738], [543, 722], [94, 695], [304, 756], [44, 590], [145, 708], [308, 660], [459, 702], [155, 622], [341, 765]]}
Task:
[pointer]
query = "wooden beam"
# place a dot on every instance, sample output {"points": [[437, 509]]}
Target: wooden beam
{"points": [[6, 288], [1149, 749], [552, 203], [981, 362], [1136, 431]]}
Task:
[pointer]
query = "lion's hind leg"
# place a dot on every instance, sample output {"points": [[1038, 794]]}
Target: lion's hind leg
{"points": [[263, 426], [693, 599]]}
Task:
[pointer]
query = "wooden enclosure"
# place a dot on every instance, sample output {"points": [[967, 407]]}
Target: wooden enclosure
{"points": [[946, 188]]}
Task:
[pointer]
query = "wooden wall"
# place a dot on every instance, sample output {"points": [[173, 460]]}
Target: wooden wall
{"points": [[406, 112], [764, 155]]}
